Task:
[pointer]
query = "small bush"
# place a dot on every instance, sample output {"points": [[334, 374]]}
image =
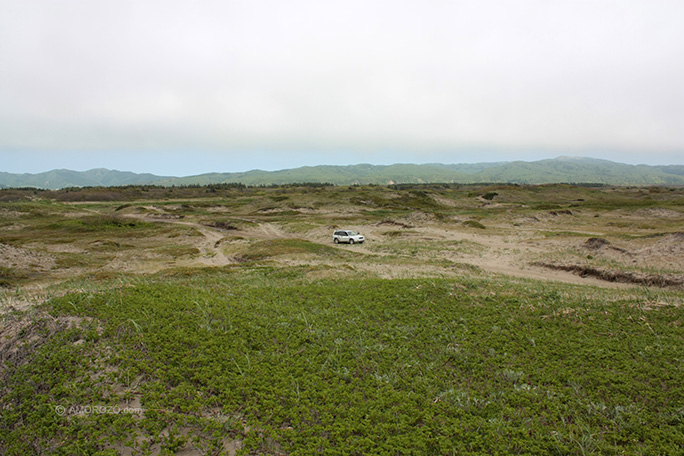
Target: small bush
{"points": [[99, 223], [10, 276], [474, 224]]}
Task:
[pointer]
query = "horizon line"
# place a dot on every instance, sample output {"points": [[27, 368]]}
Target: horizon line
{"points": [[560, 157]]}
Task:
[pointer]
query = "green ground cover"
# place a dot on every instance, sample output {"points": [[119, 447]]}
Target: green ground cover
{"points": [[290, 365]]}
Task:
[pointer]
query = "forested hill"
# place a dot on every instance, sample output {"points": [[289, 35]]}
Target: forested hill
{"points": [[557, 170]]}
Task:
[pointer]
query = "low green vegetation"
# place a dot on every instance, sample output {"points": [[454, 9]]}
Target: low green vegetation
{"points": [[11, 276], [98, 223], [274, 247], [474, 224], [288, 365]]}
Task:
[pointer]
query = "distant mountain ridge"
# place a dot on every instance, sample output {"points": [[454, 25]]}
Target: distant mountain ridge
{"points": [[557, 170], [62, 178]]}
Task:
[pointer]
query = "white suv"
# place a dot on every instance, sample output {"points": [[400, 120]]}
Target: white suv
{"points": [[347, 236]]}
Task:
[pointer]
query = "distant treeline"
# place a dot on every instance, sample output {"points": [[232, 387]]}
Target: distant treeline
{"points": [[142, 192]]}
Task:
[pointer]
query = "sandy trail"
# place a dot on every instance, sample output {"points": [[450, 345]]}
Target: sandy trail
{"points": [[509, 255], [507, 267], [499, 253], [210, 246], [270, 231]]}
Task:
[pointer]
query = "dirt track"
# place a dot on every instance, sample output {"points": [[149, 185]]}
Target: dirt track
{"points": [[441, 250], [497, 255]]}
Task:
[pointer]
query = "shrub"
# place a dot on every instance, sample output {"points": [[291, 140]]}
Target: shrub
{"points": [[474, 224]]}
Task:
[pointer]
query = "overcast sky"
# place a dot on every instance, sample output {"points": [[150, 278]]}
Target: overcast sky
{"points": [[182, 87]]}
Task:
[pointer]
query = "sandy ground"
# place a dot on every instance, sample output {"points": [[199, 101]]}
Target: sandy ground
{"points": [[500, 254], [18, 257], [507, 252], [514, 248]]}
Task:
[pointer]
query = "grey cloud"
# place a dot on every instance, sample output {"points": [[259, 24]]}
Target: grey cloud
{"points": [[354, 75]]}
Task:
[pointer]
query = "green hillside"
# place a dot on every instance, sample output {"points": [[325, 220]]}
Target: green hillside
{"points": [[61, 178], [557, 170], [577, 170]]}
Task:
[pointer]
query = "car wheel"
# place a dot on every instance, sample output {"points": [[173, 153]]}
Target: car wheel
{"points": [[351, 241], [336, 241]]}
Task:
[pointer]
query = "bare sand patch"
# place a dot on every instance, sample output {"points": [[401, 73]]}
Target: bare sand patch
{"points": [[24, 258], [655, 212]]}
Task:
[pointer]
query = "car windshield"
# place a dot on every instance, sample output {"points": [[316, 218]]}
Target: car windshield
{"points": [[351, 233]]}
